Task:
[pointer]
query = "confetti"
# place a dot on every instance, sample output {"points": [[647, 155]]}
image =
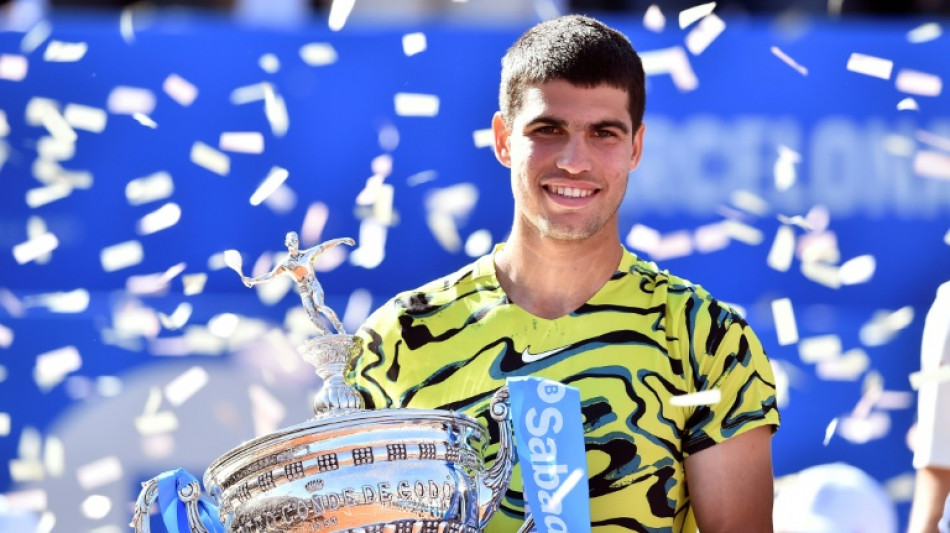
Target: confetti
{"points": [[372, 245], [478, 243], [383, 206], [895, 400], [318, 54], [743, 232], [35, 248], [85, 117], [145, 120], [180, 90], [357, 309], [749, 202], [848, 367], [275, 178], [413, 43], [183, 387], [710, 238], [946, 238], [50, 149], [246, 142], [885, 325], [789, 61], [313, 223], [150, 188], [900, 488], [796, 220], [96, 506], [932, 139], [908, 104], [6, 337], [282, 201], [857, 270], [339, 12], [63, 52], [931, 164], [704, 34], [830, 430], [36, 36], [692, 14], [153, 284], [126, 25], [870, 65], [416, 105], [672, 61], [653, 19], [483, 138], [922, 378], [862, 430], [248, 94], [232, 258], [164, 217], [276, 111], [53, 366], [75, 301], [269, 63], [706, 397], [178, 318], [54, 457], [672, 245], [784, 170], [4, 125], [124, 100], [819, 348], [4, 424], [784, 318], [819, 247], [643, 238], [421, 177], [266, 411], [925, 32], [157, 423], [223, 325], [27, 500], [919, 83], [783, 249], [207, 157], [122, 255], [194, 283], [99, 472], [13, 67]]}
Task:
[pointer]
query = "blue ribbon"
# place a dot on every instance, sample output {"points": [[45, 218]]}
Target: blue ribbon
{"points": [[173, 511], [550, 444]]}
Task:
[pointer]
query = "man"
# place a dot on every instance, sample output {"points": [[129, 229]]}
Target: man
{"points": [[562, 299], [299, 266]]}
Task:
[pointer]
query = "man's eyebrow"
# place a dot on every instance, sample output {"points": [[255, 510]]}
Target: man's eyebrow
{"points": [[617, 124], [547, 119], [561, 123]]}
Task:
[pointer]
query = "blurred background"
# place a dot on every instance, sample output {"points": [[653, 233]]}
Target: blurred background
{"points": [[797, 165]]}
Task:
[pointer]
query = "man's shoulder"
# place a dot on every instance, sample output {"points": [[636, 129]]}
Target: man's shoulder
{"points": [[440, 291], [679, 292]]}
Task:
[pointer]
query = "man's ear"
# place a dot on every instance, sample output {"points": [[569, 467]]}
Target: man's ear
{"points": [[502, 137], [637, 147]]}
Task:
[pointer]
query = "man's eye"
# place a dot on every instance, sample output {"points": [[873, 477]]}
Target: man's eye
{"points": [[546, 130], [605, 133]]}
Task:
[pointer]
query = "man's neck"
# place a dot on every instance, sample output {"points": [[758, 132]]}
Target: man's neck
{"points": [[550, 278]]}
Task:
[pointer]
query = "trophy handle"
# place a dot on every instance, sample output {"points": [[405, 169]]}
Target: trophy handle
{"points": [[499, 474], [189, 495]]}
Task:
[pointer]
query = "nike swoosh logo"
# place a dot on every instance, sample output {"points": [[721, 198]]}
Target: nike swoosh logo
{"points": [[528, 357]]}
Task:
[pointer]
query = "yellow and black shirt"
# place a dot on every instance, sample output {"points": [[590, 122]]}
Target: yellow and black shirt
{"points": [[643, 338]]}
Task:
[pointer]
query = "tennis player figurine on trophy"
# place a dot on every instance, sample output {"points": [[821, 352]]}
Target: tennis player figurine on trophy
{"points": [[346, 470]]}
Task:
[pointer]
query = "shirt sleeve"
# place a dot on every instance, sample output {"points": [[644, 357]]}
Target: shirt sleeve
{"points": [[933, 397], [726, 355]]}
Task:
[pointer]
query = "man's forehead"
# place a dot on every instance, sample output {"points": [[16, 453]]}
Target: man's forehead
{"points": [[574, 104]]}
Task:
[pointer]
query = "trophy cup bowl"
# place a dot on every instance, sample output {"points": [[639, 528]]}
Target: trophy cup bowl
{"points": [[351, 470]]}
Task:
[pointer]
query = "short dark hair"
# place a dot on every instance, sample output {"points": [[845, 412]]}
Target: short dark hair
{"points": [[577, 49]]}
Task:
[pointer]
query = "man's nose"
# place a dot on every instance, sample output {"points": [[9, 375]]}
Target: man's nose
{"points": [[575, 157]]}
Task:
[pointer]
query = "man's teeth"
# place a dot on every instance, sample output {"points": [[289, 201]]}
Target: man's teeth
{"points": [[572, 192]]}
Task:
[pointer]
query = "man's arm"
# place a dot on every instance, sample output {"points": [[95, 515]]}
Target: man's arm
{"points": [[730, 484], [930, 493]]}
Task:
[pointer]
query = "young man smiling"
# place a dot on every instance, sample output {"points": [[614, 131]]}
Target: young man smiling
{"points": [[562, 299]]}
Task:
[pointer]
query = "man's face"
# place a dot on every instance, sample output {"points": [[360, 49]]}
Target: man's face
{"points": [[291, 242], [570, 150]]}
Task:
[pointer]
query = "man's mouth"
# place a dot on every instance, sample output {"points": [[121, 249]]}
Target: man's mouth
{"points": [[570, 192]]}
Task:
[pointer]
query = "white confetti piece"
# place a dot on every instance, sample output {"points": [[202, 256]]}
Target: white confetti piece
{"points": [[478, 243], [848, 367], [38, 107], [830, 430], [925, 32], [153, 284], [931, 164], [908, 104], [276, 111], [784, 170], [223, 325], [416, 105], [893, 400], [672, 245], [706, 397], [692, 14], [266, 410], [164, 217], [194, 283], [946, 238], [275, 178], [4, 424], [864, 429], [180, 90], [282, 201], [145, 120], [819, 348], [27, 500], [52, 367], [122, 255], [932, 139], [127, 25], [26, 470], [63, 52], [372, 245], [248, 94], [358, 307], [857, 270], [885, 325], [413, 43], [245, 142], [6, 337], [99, 472], [672, 61], [783, 249], [149, 188], [35, 248], [313, 223], [445, 231], [157, 423], [96, 506], [207, 157], [51, 149], [318, 54], [870, 65], [178, 318], [743, 232], [75, 301], [232, 259], [749, 202], [936, 376], [483, 138], [900, 488], [421, 177], [339, 11], [710, 238], [919, 83], [85, 117], [124, 100], [789, 61], [4, 126], [186, 385], [653, 19], [108, 386], [269, 63], [700, 37], [13, 67], [784, 318], [643, 238], [36, 36], [383, 206], [54, 457]]}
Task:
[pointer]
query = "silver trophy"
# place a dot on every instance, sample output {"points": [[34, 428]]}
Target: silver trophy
{"points": [[349, 469]]}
